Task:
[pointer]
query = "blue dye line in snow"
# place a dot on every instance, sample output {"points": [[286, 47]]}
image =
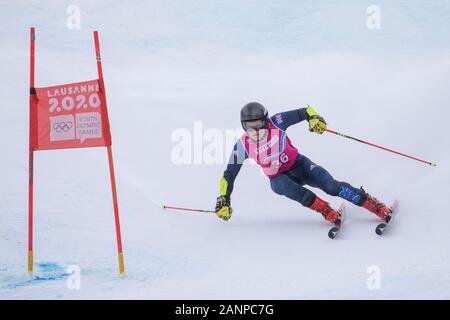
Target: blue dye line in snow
{"points": [[45, 271]]}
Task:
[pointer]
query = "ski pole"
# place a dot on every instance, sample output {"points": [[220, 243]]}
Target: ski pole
{"points": [[380, 147], [187, 209]]}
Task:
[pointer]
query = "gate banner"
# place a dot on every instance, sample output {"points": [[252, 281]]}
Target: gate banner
{"points": [[66, 116], [69, 116]]}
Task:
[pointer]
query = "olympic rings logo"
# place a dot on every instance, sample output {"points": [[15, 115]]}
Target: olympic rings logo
{"points": [[62, 126]]}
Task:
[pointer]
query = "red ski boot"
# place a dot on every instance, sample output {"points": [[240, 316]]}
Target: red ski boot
{"points": [[373, 205], [327, 212]]}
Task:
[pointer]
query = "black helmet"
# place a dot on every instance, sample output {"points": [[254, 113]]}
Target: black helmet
{"points": [[254, 111]]}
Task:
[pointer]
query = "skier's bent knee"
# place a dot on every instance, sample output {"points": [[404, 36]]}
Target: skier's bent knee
{"points": [[278, 186]]}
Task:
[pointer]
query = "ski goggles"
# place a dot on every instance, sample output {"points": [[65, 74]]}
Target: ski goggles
{"points": [[255, 124]]}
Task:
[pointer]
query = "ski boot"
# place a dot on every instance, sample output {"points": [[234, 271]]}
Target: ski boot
{"points": [[327, 212], [375, 206]]}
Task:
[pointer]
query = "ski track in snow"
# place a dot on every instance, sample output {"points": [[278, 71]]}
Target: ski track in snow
{"points": [[389, 87]]}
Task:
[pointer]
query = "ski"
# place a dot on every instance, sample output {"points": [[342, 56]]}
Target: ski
{"points": [[381, 227], [334, 231]]}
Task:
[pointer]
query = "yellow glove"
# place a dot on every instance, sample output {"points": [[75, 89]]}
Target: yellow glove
{"points": [[223, 208], [316, 123]]}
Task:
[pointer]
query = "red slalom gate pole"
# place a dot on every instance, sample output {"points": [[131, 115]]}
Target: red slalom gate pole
{"points": [[187, 209], [380, 147], [31, 157], [111, 167]]}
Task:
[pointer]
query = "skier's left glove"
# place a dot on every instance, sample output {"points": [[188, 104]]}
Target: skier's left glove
{"points": [[223, 208], [316, 123]]}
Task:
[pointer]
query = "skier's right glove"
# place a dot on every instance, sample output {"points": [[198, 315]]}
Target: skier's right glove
{"points": [[223, 208]]}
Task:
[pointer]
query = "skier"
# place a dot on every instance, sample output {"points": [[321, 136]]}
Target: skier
{"points": [[265, 141]]}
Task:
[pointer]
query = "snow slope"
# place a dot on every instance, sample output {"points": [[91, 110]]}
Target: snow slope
{"points": [[168, 64]]}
